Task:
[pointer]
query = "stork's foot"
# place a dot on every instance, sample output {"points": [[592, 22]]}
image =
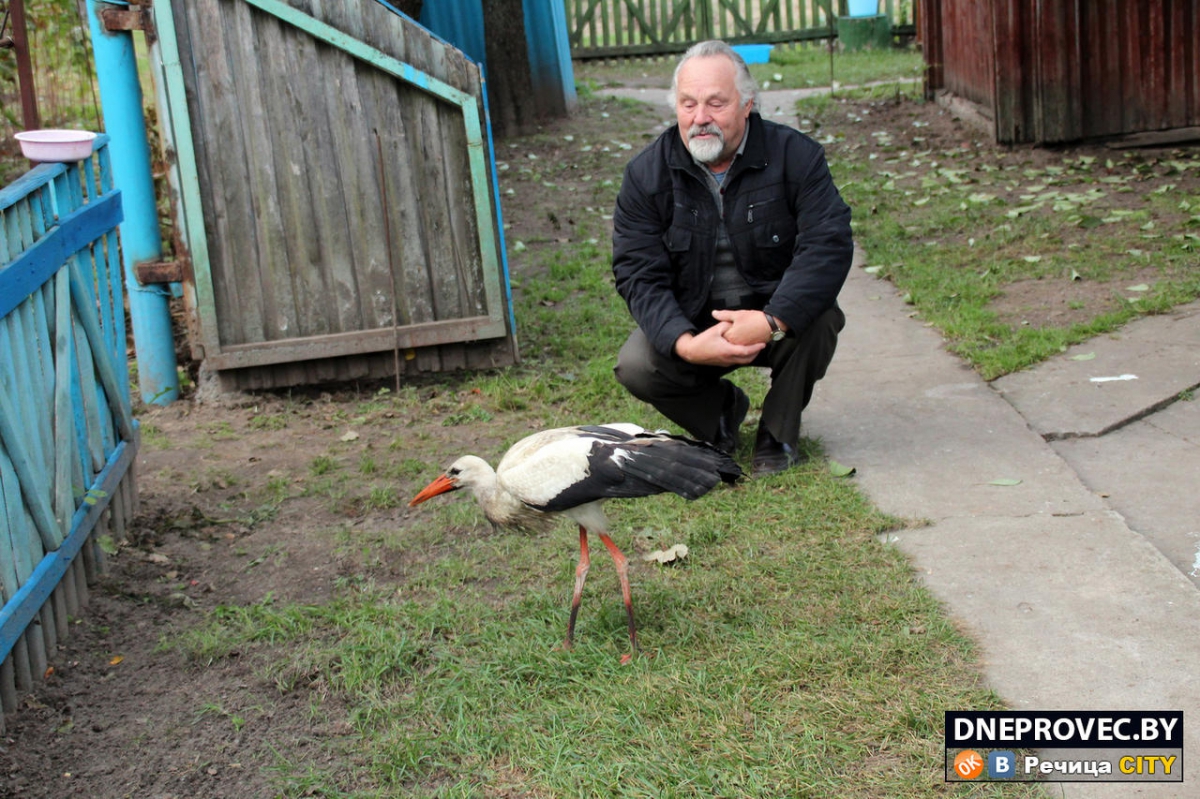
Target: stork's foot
{"points": [[627, 658]]}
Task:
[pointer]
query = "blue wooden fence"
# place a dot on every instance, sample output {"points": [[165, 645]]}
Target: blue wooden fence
{"points": [[67, 433]]}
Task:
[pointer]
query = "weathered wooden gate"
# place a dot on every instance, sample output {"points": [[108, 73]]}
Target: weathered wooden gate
{"points": [[67, 434], [617, 28], [337, 203]]}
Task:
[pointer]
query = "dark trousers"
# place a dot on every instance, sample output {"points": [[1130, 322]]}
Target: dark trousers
{"points": [[694, 396]]}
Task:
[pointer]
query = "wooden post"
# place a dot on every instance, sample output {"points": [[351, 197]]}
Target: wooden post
{"points": [[29, 110]]}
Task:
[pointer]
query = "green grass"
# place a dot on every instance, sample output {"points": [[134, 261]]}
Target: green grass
{"points": [[790, 654], [957, 228], [810, 67]]}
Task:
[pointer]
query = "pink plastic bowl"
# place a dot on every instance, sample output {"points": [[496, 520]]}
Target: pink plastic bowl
{"points": [[56, 145]]}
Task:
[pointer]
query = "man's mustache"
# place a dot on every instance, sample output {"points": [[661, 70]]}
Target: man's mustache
{"points": [[710, 128]]}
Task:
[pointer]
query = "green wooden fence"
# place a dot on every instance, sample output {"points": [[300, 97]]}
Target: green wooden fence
{"points": [[68, 440], [622, 28]]}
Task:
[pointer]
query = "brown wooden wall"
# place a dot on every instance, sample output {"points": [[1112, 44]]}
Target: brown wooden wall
{"points": [[1064, 70], [300, 148]]}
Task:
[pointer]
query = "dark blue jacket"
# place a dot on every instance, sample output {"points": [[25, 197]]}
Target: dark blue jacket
{"points": [[788, 226]]}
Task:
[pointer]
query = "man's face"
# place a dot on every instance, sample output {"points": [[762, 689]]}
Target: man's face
{"points": [[711, 115]]}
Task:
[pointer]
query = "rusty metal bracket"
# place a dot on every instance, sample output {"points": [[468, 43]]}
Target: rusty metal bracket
{"points": [[149, 272], [127, 18]]}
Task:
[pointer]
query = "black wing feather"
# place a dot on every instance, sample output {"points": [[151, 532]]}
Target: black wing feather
{"points": [[642, 465]]}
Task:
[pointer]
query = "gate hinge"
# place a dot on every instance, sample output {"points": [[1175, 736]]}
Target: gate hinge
{"points": [[127, 18], [149, 272]]}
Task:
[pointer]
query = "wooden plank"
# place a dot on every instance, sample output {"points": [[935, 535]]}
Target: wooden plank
{"points": [[484, 354], [1056, 80], [222, 148], [104, 361], [428, 150], [31, 367], [30, 475], [358, 343], [38, 262], [176, 123], [90, 399], [17, 529], [302, 212], [338, 198], [400, 270], [1179, 44], [1156, 138], [64, 416], [460, 238], [353, 267], [263, 281]]}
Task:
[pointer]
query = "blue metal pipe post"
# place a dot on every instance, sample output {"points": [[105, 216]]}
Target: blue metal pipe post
{"points": [[125, 123]]}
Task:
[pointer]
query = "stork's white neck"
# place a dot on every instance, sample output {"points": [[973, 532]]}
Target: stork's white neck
{"points": [[499, 506]]}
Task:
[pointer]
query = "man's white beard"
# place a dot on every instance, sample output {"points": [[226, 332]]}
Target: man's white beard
{"points": [[709, 149]]}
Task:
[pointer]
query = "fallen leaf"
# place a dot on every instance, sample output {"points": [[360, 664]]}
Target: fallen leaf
{"points": [[677, 552], [1087, 356], [350, 436], [872, 270], [839, 470], [1139, 287], [116, 660], [1005, 481]]}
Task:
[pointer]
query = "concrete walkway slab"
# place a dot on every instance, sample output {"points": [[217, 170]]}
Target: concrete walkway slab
{"points": [[1127, 375], [1143, 470], [928, 437], [1072, 609]]}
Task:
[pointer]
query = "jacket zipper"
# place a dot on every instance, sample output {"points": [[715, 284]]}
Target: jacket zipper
{"points": [[751, 207]]}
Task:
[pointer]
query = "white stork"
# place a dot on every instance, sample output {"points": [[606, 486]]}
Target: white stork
{"points": [[572, 470]]}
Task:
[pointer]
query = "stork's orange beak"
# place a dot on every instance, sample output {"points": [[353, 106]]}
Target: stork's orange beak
{"points": [[438, 486]]}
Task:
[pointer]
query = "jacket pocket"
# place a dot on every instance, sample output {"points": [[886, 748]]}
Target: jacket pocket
{"points": [[761, 209], [677, 240], [774, 241]]}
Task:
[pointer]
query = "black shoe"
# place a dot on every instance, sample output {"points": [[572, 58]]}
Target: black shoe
{"points": [[771, 456], [733, 414]]}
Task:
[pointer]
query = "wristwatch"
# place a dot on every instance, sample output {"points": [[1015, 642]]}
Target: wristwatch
{"points": [[776, 333]]}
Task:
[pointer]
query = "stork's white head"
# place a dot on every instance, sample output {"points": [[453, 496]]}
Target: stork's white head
{"points": [[466, 472]]}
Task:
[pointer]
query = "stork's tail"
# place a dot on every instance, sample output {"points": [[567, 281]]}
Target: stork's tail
{"points": [[681, 465]]}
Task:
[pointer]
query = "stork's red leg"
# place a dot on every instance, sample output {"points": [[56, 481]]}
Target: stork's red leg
{"points": [[581, 570], [623, 573]]}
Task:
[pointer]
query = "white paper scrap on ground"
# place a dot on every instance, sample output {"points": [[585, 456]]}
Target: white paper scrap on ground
{"points": [[1109, 379]]}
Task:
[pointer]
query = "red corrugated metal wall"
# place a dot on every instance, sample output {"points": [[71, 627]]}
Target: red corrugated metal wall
{"points": [[1063, 70]]}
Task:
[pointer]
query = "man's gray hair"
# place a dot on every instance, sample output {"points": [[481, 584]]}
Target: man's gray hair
{"points": [[747, 87]]}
